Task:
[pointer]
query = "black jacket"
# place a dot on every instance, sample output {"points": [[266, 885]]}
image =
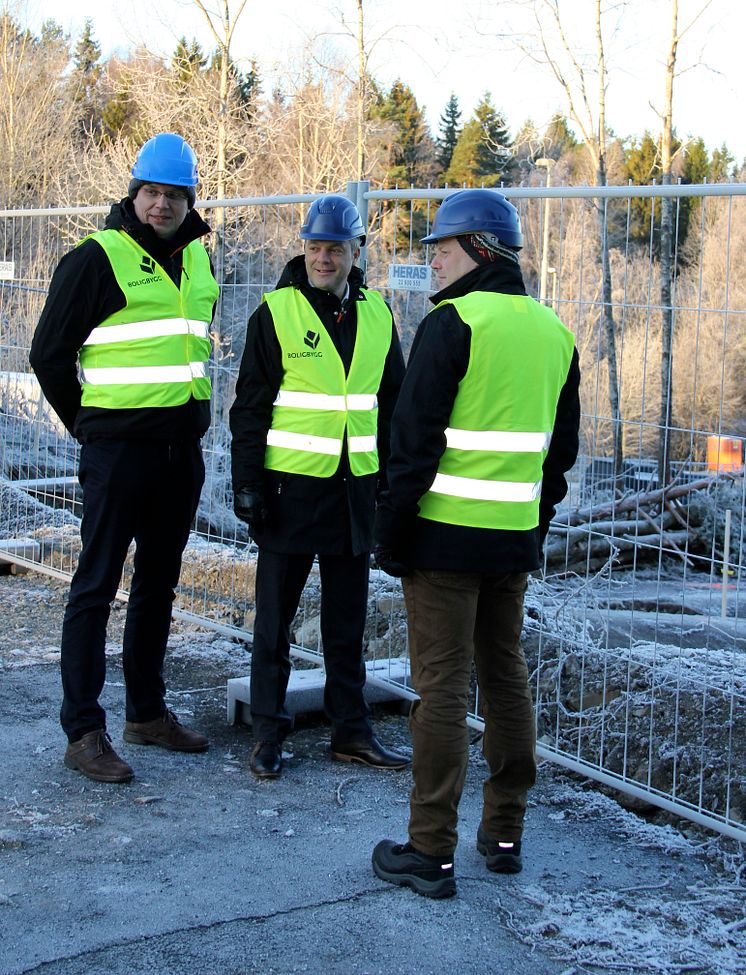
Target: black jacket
{"points": [[84, 292], [437, 364], [320, 515]]}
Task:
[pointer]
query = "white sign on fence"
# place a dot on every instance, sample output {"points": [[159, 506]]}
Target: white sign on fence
{"points": [[410, 277], [7, 270]]}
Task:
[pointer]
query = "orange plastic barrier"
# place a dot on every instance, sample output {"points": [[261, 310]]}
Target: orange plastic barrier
{"points": [[724, 454]]}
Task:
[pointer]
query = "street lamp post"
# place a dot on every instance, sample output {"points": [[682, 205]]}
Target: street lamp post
{"points": [[547, 164], [553, 272]]}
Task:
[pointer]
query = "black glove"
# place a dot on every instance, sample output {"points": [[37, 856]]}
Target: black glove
{"points": [[384, 558], [251, 507]]}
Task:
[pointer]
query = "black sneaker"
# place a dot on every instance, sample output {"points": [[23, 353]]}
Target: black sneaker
{"points": [[403, 865], [502, 855]]}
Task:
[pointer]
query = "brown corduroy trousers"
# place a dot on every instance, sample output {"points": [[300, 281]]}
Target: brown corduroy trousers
{"points": [[455, 618]]}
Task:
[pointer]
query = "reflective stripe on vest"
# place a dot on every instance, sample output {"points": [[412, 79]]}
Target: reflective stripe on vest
{"points": [[146, 374], [154, 351], [320, 401], [497, 440], [317, 406], [500, 428]]}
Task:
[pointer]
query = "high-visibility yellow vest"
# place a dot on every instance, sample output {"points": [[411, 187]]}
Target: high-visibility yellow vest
{"points": [[154, 351], [317, 405], [502, 419]]}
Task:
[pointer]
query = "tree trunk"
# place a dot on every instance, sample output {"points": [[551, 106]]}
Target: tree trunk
{"points": [[608, 328], [666, 264], [607, 313], [361, 93]]}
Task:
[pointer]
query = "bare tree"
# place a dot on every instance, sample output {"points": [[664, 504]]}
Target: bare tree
{"points": [[309, 134], [222, 29], [550, 44], [37, 114], [360, 80], [667, 243]]}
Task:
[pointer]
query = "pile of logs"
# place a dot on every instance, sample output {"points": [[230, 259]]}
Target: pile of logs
{"points": [[625, 531]]}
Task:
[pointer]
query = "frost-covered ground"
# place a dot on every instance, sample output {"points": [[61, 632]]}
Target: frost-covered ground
{"points": [[604, 890]]}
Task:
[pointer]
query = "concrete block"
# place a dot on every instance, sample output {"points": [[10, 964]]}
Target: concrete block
{"points": [[25, 548], [306, 689]]}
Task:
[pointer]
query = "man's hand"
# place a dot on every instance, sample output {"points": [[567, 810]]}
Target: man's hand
{"points": [[251, 508], [385, 559]]}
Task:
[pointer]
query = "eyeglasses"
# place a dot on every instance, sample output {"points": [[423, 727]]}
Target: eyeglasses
{"points": [[173, 196]]}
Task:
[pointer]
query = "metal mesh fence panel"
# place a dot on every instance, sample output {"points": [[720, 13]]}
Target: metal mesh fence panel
{"points": [[633, 628]]}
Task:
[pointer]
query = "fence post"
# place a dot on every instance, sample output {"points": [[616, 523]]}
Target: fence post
{"points": [[726, 560], [356, 190]]}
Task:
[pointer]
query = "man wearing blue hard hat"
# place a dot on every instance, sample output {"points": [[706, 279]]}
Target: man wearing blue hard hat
{"points": [[121, 352], [484, 431], [318, 380]]}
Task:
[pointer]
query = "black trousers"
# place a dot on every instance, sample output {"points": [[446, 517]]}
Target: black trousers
{"points": [[344, 599], [131, 490]]}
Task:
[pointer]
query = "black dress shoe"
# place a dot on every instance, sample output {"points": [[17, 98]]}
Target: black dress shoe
{"points": [[266, 760], [370, 752]]}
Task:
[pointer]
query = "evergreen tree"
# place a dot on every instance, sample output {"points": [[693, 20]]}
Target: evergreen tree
{"points": [[188, 60], [245, 88], [52, 34], [558, 138], [483, 154], [527, 147], [696, 162], [721, 165], [85, 79], [120, 116], [411, 155], [410, 145], [695, 169], [463, 168], [495, 152], [642, 161], [642, 165], [449, 132]]}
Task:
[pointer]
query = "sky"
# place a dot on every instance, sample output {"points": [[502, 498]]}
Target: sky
{"points": [[442, 46]]}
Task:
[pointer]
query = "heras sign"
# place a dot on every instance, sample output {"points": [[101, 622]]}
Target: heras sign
{"points": [[410, 277]]}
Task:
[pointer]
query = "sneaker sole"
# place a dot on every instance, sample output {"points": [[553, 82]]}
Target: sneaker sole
{"points": [[500, 862], [436, 889], [109, 779], [135, 738]]}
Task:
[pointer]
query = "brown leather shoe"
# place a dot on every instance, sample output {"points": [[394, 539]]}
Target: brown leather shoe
{"points": [[95, 758], [165, 732]]}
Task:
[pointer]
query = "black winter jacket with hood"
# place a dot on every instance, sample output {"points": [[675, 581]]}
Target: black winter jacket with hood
{"points": [[437, 364], [82, 294], [320, 515]]}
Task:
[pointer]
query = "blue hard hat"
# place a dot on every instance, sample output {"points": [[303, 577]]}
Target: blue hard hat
{"points": [[167, 159], [474, 212], [333, 217]]}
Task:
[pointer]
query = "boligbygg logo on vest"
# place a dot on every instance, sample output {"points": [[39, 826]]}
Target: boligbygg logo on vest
{"points": [[311, 339], [147, 264]]}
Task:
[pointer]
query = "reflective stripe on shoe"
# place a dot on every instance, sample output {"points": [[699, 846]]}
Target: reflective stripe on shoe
{"points": [[401, 864], [502, 856]]}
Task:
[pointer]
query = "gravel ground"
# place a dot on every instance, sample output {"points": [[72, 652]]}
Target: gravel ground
{"points": [[197, 868]]}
